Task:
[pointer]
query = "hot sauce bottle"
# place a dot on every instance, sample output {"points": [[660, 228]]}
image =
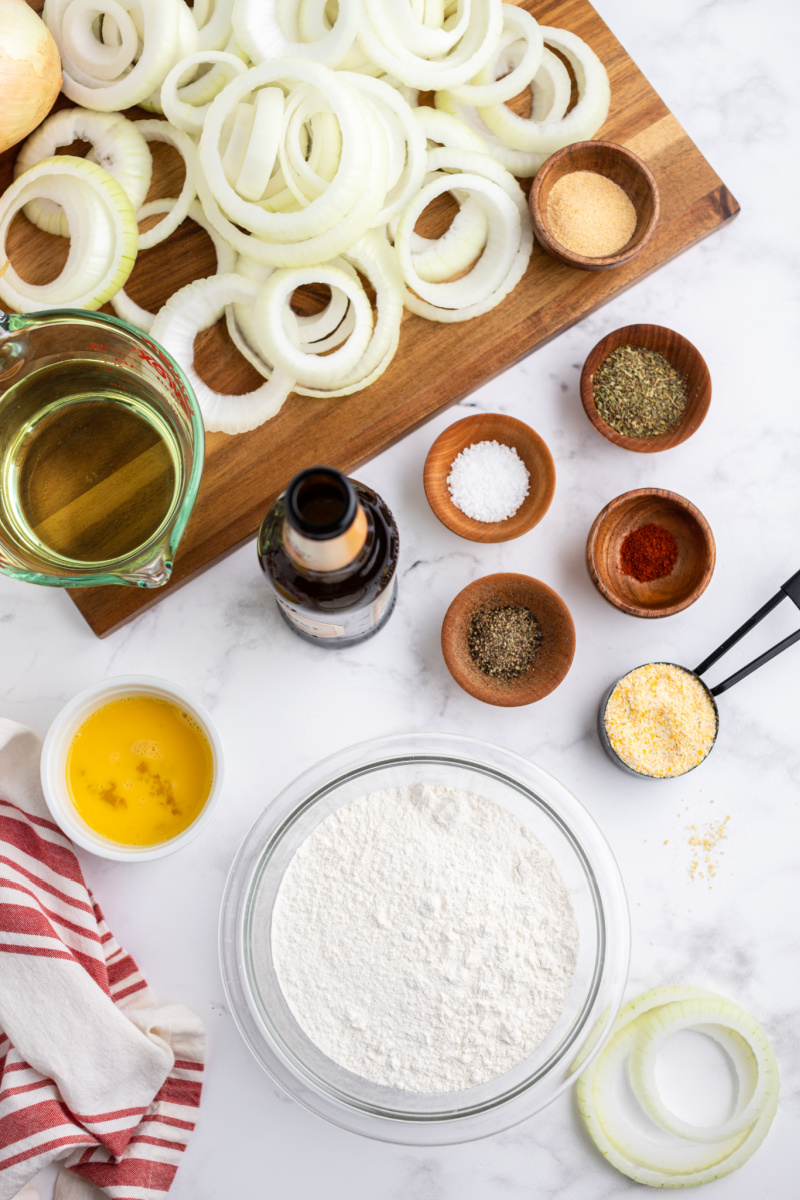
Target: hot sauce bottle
{"points": [[328, 547]]}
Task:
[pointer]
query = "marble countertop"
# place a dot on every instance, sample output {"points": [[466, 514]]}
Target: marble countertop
{"points": [[727, 69]]}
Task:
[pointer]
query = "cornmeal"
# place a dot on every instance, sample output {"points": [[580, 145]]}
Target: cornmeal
{"points": [[661, 720]]}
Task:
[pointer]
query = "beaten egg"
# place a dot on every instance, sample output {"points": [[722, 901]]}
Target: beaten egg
{"points": [[140, 770]]}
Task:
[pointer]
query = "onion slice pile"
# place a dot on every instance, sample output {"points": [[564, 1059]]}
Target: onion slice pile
{"points": [[325, 225], [678, 1153], [305, 144]]}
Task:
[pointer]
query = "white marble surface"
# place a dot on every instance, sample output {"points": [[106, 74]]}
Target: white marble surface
{"points": [[728, 70]]}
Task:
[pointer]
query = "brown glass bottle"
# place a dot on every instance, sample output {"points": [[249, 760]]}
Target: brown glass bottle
{"points": [[328, 547]]}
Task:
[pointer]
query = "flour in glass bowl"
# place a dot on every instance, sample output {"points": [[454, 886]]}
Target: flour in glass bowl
{"points": [[424, 939]]}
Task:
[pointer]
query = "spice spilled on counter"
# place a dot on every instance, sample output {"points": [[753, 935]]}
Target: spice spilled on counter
{"points": [[590, 214], [648, 553], [488, 481], [703, 841], [503, 642], [639, 393]]}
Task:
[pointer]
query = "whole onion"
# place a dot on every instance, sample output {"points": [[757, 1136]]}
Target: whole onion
{"points": [[30, 71]]}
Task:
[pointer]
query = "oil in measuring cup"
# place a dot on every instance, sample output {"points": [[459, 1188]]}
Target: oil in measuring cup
{"points": [[90, 471]]}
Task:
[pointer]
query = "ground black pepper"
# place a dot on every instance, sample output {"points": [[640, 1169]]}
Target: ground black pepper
{"points": [[638, 393], [503, 642]]}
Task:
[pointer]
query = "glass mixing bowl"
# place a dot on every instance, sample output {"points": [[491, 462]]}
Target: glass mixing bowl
{"points": [[581, 855]]}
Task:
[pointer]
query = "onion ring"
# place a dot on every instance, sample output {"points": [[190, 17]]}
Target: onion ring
{"points": [[273, 342], [545, 137], [194, 308], [127, 309], [117, 146], [103, 235]]}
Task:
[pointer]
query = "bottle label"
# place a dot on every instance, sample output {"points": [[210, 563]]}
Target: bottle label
{"points": [[320, 629], [379, 606], [353, 624]]}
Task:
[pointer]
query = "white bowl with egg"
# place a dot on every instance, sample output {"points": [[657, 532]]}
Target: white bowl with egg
{"points": [[582, 857], [55, 752]]}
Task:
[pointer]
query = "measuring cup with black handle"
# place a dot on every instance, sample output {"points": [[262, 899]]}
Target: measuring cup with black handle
{"points": [[790, 589]]}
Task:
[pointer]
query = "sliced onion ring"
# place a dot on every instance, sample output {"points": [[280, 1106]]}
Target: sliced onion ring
{"points": [[339, 198], [158, 38], [499, 254], [177, 108], [486, 88], [132, 312], [103, 235], [545, 137], [657, 1026], [658, 1163], [194, 308], [259, 31], [161, 131], [325, 245], [373, 257], [273, 342], [117, 146]]}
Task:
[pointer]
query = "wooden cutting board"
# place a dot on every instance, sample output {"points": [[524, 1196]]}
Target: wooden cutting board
{"points": [[435, 364]]}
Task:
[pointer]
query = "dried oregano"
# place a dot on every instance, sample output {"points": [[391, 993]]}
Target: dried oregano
{"points": [[638, 393]]}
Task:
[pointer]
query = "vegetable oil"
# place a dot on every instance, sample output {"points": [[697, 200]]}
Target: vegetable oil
{"points": [[90, 471]]}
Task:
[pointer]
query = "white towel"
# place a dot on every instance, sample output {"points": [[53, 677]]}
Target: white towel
{"points": [[91, 1071]]}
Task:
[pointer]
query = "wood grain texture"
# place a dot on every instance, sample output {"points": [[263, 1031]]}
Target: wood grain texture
{"points": [[553, 658], [508, 431], [615, 162], [435, 365], [689, 577], [681, 354]]}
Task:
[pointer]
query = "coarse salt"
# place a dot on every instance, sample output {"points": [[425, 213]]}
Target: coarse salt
{"points": [[488, 481]]}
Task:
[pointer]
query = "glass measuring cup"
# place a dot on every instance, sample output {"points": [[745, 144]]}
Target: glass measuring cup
{"points": [[790, 589], [101, 451]]}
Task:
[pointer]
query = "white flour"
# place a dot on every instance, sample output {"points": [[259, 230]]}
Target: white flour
{"points": [[424, 939]]}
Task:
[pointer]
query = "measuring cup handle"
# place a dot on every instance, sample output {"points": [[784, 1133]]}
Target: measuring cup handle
{"points": [[756, 663], [791, 589], [751, 623]]}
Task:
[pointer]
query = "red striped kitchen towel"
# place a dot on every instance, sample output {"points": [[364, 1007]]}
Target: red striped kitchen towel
{"points": [[91, 1071]]}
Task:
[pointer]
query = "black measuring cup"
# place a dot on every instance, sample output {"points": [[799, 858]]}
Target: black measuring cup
{"points": [[790, 589]]}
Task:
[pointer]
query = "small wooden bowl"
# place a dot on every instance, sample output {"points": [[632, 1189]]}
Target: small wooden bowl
{"points": [[618, 164], [696, 553], [681, 354], [488, 427], [553, 658]]}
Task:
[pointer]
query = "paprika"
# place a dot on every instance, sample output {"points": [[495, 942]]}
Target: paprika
{"points": [[649, 552]]}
